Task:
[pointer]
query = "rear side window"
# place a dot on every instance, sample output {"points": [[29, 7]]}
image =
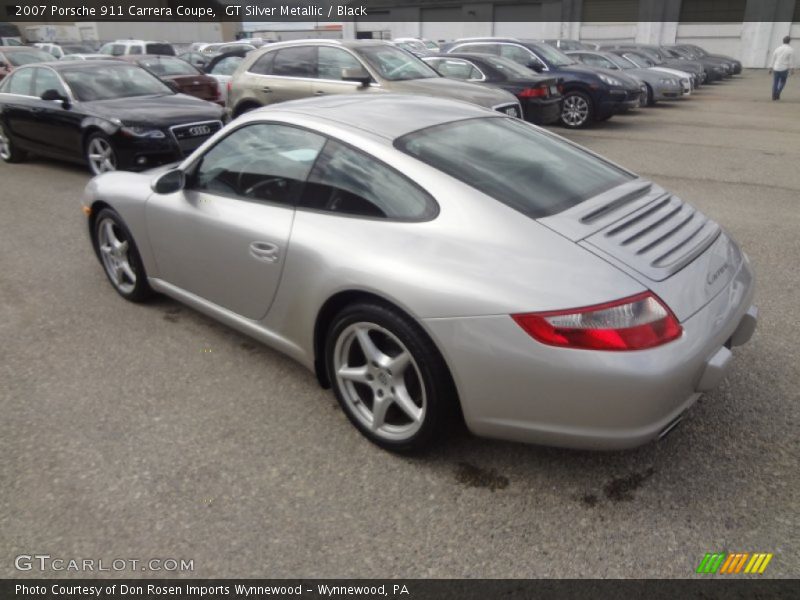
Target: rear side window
{"points": [[263, 66], [515, 164], [117, 50], [135, 50], [163, 49], [350, 182], [295, 62]]}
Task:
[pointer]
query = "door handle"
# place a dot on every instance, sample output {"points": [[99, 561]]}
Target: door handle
{"points": [[264, 251], [266, 89], [320, 93]]}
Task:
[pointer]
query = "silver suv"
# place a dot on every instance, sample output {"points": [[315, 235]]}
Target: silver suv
{"points": [[305, 68]]}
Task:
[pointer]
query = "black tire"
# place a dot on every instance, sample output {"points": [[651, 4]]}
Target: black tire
{"points": [[581, 115], [245, 108], [433, 393], [136, 291], [9, 151], [95, 167], [650, 97]]}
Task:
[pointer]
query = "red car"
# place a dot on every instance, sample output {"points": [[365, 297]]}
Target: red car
{"points": [[16, 56], [181, 75]]}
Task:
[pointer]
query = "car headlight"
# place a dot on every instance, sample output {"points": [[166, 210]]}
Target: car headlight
{"points": [[143, 132], [667, 81], [717, 69], [609, 80]]}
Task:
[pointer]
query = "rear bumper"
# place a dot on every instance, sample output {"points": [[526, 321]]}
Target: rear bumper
{"points": [[511, 387], [542, 111]]}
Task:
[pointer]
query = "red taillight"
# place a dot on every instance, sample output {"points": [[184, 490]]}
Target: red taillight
{"points": [[228, 87], [537, 92], [633, 323]]}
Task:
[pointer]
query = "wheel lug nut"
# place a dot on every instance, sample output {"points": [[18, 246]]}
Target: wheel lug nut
{"points": [[380, 393]]}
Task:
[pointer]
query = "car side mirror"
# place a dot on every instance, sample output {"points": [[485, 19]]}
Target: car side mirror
{"points": [[535, 66], [359, 75], [55, 96], [169, 182]]}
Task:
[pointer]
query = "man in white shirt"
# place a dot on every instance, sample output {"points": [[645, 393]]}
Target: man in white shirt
{"points": [[782, 62]]}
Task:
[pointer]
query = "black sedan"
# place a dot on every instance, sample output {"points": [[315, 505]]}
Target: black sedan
{"points": [[107, 114], [539, 95]]}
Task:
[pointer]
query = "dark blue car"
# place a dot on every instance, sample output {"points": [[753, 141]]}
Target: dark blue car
{"points": [[589, 94]]}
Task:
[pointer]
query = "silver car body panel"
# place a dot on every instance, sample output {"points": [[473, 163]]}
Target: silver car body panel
{"points": [[460, 275]]}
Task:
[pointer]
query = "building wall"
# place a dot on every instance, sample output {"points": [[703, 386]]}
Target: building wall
{"points": [[764, 23]]}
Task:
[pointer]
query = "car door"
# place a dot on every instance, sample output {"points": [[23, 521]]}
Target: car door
{"points": [[17, 107], [291, 73], [225, 236], [330, 62], [55, 128]]}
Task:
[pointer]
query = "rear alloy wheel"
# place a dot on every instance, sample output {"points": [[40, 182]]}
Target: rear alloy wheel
{"points": [[389, 380], [119, 256], [8, 149], [576, 110], [100, 154]]}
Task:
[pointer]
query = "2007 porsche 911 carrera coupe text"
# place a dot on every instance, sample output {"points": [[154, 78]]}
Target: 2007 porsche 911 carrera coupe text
{"points": [[444, 258]]}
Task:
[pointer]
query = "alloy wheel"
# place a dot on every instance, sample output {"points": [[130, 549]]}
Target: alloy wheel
{"points": [[575, 111], [101, 156], [379, 381], [114, 252], [5, 146]]}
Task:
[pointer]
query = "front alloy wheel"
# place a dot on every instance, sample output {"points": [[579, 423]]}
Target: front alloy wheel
{"points": [[100, 155], [576, 110], [388, 378], [120, 257]]}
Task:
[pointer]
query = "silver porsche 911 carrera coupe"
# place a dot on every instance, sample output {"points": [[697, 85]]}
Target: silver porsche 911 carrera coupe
{"points": [[427, 257]]}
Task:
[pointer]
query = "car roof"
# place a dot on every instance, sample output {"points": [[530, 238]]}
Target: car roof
{"points": [[327, 42], [61, 65], [387, 115]]}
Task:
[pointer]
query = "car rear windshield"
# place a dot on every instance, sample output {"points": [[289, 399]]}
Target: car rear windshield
{"points": [[117, 81], [165, 49], [167, 67], [529, 170]]}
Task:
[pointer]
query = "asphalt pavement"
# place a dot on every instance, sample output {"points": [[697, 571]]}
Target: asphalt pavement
{"points": [[138, 432]]}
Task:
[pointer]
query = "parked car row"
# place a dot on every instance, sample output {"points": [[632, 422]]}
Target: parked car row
{"points": [[158, 121]]}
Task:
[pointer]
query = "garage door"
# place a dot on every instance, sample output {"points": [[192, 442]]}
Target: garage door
{"points": [[519, 20], [441, 23]]}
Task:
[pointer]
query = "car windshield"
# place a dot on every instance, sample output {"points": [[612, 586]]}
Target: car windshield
{"points": [[529, 170], [507, 67], [394, 64], [553, 56], [622, 63], [167, 67], [26, 57], [639, 61], [113, 81]]}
